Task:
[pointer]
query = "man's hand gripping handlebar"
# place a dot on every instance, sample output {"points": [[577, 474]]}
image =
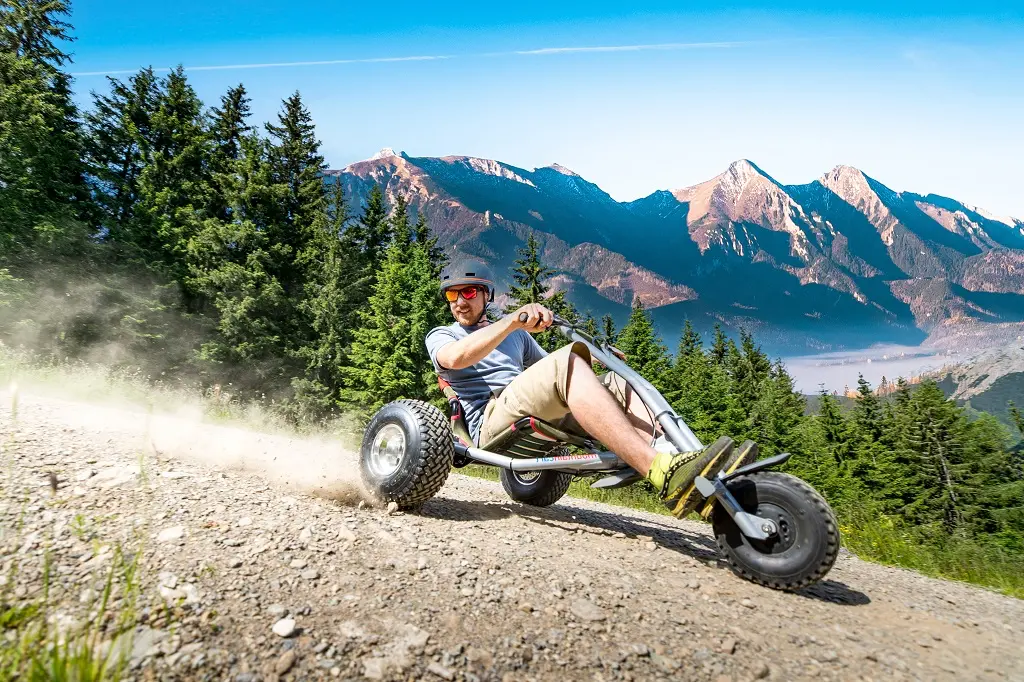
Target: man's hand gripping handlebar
{"points": [[568, 330]]}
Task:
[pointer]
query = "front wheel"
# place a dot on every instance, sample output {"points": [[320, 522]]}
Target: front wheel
{"points": [[407, 453], [806, 544]]}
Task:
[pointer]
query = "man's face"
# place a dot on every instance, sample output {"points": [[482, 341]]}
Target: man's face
{"points": [[467, 311]]}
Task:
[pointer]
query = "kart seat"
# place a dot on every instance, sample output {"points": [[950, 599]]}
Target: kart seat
{"points": [[528, 437]]}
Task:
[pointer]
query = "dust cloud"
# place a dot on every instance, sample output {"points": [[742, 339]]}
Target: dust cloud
{"points": [[319, 465]]}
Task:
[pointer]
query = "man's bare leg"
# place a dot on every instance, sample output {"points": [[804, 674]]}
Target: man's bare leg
{"points": [[601, 416]]}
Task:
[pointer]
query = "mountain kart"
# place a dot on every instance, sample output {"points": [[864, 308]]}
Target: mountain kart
{"points": [[771, 527]]}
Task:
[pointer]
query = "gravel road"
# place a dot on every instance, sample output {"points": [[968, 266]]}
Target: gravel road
{"points": [[257, 562]]}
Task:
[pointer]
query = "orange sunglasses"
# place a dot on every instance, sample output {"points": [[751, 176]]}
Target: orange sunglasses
{"points": [[469, 293]]}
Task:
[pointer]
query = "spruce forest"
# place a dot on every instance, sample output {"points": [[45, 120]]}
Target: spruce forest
{"points": [[180, 238]]}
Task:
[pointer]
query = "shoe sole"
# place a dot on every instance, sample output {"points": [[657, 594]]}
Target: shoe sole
{"points": [[742, 456], [715, 456]]}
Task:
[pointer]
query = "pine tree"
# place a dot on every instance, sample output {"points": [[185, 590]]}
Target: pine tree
{"points": [[402, 230], [296, 167], [777, 414], [373, 230], [643, 347], [32, 29], [687, 374], [717, 409], [608, 333], [388, 358], [528, 275], [689, 342], [824, 456], [1016, 418], [258, 266], [175, 187], [118, 147], [834, 428], [365, 240], [529, 286], [719, 347], [422, 235], [228, 128], [590, 328], [750, 370], [329, 307], [43, 195], [867, 415], [933, 431]]}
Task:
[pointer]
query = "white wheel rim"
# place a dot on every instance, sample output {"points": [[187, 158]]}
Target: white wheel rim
{"points": [[387, 451], [526, 477]]}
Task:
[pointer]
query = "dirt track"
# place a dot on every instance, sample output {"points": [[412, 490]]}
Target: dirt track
{"points": [[246, 532]]}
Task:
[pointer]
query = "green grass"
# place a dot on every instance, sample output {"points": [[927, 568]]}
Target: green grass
{"points": [[34, 649], [35, 646], [877, 538]]}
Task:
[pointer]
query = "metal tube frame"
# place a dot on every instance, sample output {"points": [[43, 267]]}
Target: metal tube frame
{"points": [[675, 429], [593, 461]]}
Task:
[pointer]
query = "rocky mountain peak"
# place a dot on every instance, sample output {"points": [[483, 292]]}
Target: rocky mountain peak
{"points": [[744, 179], [558, 168], [384, 154], [744, 171], [847, 182]]}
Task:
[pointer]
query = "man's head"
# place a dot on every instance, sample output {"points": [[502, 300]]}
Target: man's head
{"points": [[467, 286]]}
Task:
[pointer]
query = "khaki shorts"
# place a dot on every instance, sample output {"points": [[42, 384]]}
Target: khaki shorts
{"points": [[540, 392]]}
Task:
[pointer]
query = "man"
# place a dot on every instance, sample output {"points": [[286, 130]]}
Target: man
{"points": [[501, 375]]}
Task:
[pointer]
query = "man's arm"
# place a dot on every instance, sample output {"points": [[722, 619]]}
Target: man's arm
{"points": [[476, 346]]}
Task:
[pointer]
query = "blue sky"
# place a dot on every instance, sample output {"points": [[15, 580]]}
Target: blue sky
{"points": [[927, 97]]}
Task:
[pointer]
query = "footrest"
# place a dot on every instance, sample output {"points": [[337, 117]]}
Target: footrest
{"points": [[759, 465], [620, 479]]}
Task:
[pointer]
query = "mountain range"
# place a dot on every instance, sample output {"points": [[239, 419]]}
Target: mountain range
{"points": [[840, 262]]}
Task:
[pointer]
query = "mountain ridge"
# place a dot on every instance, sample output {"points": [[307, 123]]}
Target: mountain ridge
{"points": [[838, 262]]}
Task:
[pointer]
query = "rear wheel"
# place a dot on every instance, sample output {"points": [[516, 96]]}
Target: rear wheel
{"points": [[806, 544], [536, 488], [406, 453]]}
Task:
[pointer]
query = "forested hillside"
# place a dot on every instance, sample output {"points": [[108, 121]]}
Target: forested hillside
{"points": [[157, 232]]}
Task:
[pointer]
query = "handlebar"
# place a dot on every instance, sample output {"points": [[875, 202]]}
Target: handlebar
{"points": [[556, 322]]}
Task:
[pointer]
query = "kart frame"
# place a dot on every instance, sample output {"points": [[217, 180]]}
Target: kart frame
{"points": [[619, 473]]}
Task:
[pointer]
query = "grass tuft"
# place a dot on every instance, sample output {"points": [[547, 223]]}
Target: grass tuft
{"points": [[35, 645]]}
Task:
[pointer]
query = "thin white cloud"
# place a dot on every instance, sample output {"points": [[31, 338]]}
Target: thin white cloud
{"points": [[629, 48], [424, 58]]}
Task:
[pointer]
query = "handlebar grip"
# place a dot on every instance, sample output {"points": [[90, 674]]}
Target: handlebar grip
{"points": [[557, 321]]}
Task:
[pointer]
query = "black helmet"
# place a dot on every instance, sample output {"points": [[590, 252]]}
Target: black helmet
{"points": [[468, 271]]}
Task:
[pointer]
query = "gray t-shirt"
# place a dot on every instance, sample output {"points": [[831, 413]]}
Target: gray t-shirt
{"points": [[474, 384]]}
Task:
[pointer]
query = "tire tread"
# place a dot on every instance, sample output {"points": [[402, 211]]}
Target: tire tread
{"points": [[554, 489], [432, 463], [821, 508]]}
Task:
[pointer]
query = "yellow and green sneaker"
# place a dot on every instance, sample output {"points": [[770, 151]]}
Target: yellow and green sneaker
{"points": [[741, 457], [673, 474]]}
